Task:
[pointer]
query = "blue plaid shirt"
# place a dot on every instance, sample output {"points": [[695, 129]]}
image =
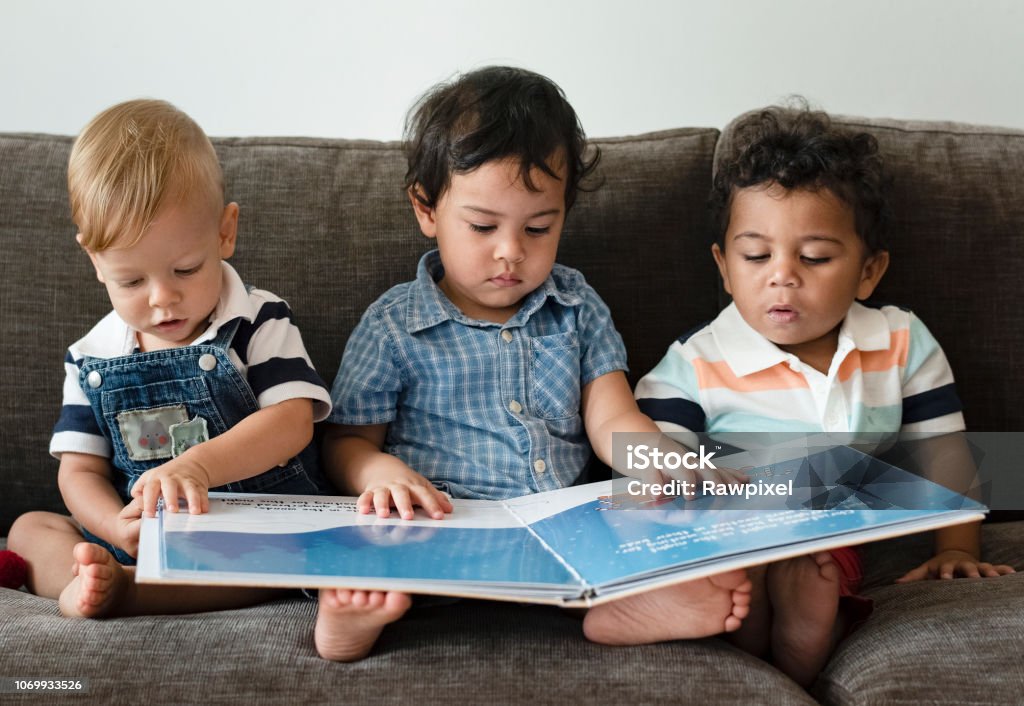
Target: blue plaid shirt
{"points": [[483, 410]]}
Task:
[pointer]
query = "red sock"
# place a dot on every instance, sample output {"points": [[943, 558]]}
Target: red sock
{"points": [[13, 570]]}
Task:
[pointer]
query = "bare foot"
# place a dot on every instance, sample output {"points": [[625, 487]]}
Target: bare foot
{"points": [[99, 583], [754, 635], [804, 593], [349, 622], [697, 608]]}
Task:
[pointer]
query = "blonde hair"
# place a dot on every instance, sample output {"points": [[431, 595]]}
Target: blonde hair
{"points": [[128, 161]]}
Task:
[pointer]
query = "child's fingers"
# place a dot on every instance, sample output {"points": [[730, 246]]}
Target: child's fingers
{"points": [[382, 502], [969, 569], [403, 502], [427, 497], [138, 486], [169, 489], [918, 574], [736, 475], [132, 510], [195, 496], [364, 504], [444, 503], [150, 495], [686, 476]]}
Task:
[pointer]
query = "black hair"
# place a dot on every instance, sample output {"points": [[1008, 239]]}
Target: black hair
{"points": [[798, 148], [497, 112]]}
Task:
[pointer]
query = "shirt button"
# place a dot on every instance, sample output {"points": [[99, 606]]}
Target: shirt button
{"points": [[539, 465], [515, 407], [207, 362], [94, 379], [506, 336]]}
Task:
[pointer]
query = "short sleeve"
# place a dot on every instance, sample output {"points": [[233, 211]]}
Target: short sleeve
{"points": [[670, 395], [369, 381], [76, 430], [601, 348], [278, 366], [930, 401]]}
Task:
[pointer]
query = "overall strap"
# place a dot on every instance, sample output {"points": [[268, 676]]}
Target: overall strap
{"points": [[226, 334]]}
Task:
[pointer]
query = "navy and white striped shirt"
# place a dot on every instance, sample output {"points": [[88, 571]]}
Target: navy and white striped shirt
{"points": [[267, 350]]}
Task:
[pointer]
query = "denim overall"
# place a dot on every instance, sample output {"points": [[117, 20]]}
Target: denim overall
{"points": [[135, 395]]}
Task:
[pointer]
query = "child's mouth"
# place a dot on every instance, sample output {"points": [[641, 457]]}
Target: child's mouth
{"points": [[170, 325], [783, 314], [505, 281]]}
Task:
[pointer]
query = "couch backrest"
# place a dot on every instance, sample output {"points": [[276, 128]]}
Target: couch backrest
{"points": [[324, 224]]}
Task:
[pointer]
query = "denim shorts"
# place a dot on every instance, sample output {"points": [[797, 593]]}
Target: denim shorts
{"points": [[120, 554]]}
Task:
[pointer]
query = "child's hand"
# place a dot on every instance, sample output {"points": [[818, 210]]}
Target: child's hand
{"points": [[404, 488], [724, 474], [954, 563], [695, 478], [125, 527], [178, 478]]}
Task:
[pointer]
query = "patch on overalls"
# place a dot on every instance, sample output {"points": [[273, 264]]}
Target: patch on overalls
{"points": [[185, 435], [146, 432]]}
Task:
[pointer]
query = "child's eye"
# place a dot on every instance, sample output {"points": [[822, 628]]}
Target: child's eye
{"points": [[188, 271], [538, 230], [130, 283], [755, 258], [477, 228], [815, 260]]}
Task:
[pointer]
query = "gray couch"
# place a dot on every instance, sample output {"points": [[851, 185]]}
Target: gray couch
{"points": [[325, 225]]}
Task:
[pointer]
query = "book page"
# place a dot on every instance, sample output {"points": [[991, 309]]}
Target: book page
{"points": [[250, 539]]}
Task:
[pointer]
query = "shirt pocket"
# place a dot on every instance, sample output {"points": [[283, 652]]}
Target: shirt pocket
{"points": [[555, 373]]}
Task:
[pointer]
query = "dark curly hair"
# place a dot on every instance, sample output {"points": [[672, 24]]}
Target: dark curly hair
{"points": [[798, 148], [497, 112]]}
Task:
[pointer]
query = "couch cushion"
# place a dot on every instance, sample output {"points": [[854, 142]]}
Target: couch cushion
{"points": [[471, 652], [922, 634]]}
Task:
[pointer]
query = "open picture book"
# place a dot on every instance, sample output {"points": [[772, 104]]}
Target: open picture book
{"points": [[577, 546]]}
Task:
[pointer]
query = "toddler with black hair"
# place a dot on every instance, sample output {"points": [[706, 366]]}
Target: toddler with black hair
{"points": [[495, 371], [800, 210]]}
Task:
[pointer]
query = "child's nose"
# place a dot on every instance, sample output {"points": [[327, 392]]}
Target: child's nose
{"points": [[162, 294], [510, 248], [784, 273]]}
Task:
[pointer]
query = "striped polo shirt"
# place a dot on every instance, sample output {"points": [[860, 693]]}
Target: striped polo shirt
{"points": [[888, 375], [267, 350]]}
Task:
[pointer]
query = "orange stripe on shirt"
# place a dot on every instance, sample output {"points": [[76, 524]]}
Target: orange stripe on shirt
{"points": [[719, 374], [878, 361]]}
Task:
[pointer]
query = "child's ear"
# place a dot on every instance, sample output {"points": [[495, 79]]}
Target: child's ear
{"points": [[871, 273], [723, 268], [425, 215], [228, 230], [92, 258]]}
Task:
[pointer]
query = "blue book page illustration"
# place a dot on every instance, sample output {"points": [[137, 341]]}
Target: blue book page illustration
{"points": [[356, 546], [835, 492]]}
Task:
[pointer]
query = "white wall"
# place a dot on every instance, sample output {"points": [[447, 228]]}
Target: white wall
{"points": [[351, 69]]}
